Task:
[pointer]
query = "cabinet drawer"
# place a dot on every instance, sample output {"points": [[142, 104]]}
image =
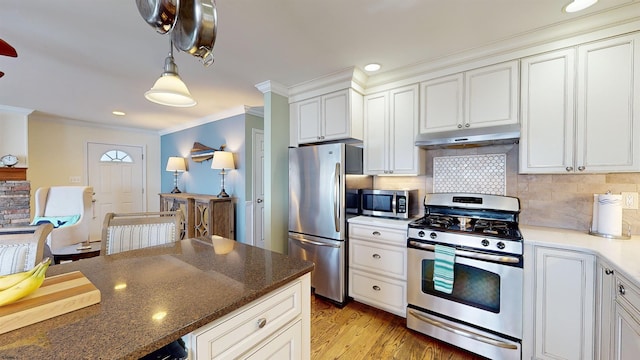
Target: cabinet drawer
{"points": [[378, 258], [286, 345], [234, 334], [384, 293], [375, 233], [631, 295]]}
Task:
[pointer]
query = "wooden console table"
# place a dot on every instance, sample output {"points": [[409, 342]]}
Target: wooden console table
{"points": [[204, 215]]}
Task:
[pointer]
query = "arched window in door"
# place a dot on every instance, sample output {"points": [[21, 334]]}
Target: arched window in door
{"points": [[116, 156]]}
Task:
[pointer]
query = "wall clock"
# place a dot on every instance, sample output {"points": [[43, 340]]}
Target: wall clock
{"points": [[9, 160]]}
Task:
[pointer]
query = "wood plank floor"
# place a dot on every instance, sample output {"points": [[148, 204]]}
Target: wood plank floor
{"points": [[358, 331]]}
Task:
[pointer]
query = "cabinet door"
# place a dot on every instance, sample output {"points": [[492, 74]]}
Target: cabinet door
{"points": [[608, 106], [376, 113], [491, 95], [307, 115], [564, 309], [604, 310], [547, 100], [336, 123], [403, 124], [627, 334], [441, 104]]}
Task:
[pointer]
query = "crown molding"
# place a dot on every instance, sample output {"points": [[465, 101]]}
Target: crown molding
{"points": [[351, 77], [272, 86], [15, 110]]}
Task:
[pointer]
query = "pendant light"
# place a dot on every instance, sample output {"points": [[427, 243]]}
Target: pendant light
{"points": [[169, 89]]}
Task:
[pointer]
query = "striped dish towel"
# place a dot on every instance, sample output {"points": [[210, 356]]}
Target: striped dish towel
{"points": [[443, 268]]}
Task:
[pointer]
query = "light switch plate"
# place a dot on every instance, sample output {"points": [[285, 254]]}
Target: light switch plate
{"points": [[630, 200]]}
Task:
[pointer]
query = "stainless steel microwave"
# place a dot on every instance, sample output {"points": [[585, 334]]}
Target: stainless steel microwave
{"points": [[400, 204]]}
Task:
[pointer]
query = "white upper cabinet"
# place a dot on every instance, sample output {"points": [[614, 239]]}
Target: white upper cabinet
{"points": [[334, 116], [602, 134], [485, 96], [391, 124], [547, 131]]}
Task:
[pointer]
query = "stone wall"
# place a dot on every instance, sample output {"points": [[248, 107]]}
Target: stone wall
{"points": [[14, 203]]}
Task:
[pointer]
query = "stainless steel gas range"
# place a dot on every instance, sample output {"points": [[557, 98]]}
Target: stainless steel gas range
{"points": [[465, 277]]}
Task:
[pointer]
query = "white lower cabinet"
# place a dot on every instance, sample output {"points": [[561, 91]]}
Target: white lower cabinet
{"points": [[560, 317], [626, 321], [276, 326], [618, 315], [605, 300], [378, 266]]}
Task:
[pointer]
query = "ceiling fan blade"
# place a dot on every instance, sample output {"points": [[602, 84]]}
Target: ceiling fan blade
{"points": [[7, 50]]}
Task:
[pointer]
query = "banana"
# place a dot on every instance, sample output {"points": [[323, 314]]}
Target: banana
{"points": [[25, 287], [7, 281]]}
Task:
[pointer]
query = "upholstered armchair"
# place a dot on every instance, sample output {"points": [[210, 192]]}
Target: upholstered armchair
{"points": [[68, 208], [21, 248]]}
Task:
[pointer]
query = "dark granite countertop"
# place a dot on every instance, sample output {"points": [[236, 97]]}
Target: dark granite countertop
{"points": [[187, 280]]}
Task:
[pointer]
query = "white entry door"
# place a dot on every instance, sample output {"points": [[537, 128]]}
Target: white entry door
{"points": [[116, 173], [258, 188]]}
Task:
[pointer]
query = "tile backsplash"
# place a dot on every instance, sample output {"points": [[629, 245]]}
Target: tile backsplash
{"points": [[480, 174], [562, 200]]}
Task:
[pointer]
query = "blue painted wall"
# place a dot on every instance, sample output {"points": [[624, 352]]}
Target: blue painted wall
{"points": [[199, 177]]}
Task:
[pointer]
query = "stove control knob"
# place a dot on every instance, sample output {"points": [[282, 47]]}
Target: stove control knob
{"points": [[500, 245], [421, 233], [485, 242], [433, 235]]}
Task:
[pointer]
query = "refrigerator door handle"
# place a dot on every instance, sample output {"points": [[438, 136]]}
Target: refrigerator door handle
{"points": [[306, 241], [336, 198]]}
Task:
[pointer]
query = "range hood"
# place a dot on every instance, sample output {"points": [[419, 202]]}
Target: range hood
{"points": [[479, 136]]}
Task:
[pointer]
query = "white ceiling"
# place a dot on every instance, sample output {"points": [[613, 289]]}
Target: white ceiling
{"points": [[80, 59]]}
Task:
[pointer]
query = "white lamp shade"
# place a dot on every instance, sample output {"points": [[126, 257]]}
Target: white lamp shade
{"points": [[170, 90], [176, 163], [222, 160]]}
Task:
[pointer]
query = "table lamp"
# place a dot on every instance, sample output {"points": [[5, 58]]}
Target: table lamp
{"points": [[176, 164], [222, 160]]}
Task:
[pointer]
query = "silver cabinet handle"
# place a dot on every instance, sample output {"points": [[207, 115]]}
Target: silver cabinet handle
{"points": [[376, 233], [376, 256], [580, 168], [467, 125], [259, 201], [376, 287], [569, 168], [608, 271], [459, 126], [262, 322], [621, 289]]}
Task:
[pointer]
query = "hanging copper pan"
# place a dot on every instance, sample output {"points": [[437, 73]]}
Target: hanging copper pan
{"points": [[195, 29], [160, 14]]}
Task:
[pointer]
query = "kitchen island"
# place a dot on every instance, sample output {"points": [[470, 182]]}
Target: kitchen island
{"points": [[152, 297]]}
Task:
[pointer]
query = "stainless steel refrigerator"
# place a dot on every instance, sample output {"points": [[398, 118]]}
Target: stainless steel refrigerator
{"points": [[317, 216]]}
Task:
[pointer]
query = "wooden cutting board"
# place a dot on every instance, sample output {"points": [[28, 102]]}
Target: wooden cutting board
{"points": [[59, 294]]}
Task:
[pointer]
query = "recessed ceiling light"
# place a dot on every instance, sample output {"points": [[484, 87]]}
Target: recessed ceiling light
{"points": [[577, 5], [118, 113], [372, 67]]}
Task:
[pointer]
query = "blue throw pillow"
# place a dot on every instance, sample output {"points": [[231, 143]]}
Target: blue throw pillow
{"points": [[57, 221]]}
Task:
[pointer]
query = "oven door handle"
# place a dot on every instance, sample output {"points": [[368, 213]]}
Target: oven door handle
{"points": [[470, 254], [459, 331]]}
